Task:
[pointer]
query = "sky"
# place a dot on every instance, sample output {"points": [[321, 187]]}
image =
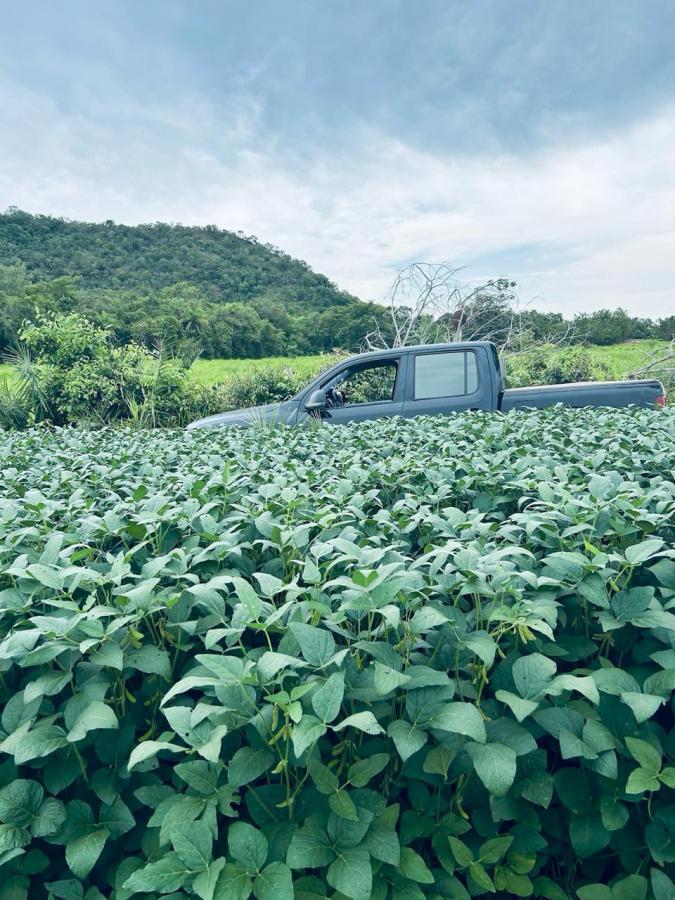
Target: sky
{"points": [[533, 139]]}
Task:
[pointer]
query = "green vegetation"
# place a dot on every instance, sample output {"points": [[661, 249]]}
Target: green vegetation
{"points": [[74, 376], [620, 359], [432, 658], [229, 295], [68, 372], [616, 360], [226, 293], [218, 371]]}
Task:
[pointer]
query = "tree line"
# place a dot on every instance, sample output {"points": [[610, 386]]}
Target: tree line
{"points": [[227, 295]]}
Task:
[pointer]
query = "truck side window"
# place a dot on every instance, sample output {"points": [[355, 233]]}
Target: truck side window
{"points": [[450, 374], [363, 384]]}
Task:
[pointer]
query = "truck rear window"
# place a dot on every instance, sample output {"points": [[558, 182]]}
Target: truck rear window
{"points": [[452, 373]]}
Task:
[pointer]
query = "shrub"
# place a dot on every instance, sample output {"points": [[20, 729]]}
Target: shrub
{"points": [[68, 371], [405, 659], [271, 383], [547, 366], [268, 384]]}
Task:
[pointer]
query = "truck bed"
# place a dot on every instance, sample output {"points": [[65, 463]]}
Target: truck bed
{"points": [[584, 393]]}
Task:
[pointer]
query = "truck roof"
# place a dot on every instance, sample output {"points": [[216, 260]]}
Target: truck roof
{"points": [[396, 351]]}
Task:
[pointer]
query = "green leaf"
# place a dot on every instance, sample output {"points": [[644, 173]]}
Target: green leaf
{"points": [[305, 733], [199, 775], [149, 749], [388, 679], [520, 707], [82, 852], [478, 875], [108, 655], [271, 663], [249, 601], [164, 876], [363, 721], [594, 892], [310, 847], [206, 882], [532, 674], [48, 818], [13, 838], [96, 716], [643, 706], [461, 718], [326, 701], [634, 887], [583, 684], [645, 754], [460, 851], [641, 780], [614, 814], [412, 866], [343, 805], [588, 835], [66, 889], [20, 801], [483, 645], [351, 874], [233, 883], [275, 882], [193, 843], [247, 846], [494, 850], [39, 742], [363, 770], [643, 551], [495, 765], [149, 659], [663, 887], [382, 843], [247, 764], [407, 739], [46, 575], [325, 780], [316, 644]]}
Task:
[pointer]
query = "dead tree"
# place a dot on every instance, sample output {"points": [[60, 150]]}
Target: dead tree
{"points": [[428, 304], [659, 364]]}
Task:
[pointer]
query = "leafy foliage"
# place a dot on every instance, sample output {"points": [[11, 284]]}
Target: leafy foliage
{"points": [[546, 366], [405, 659], [68, 371], [229, 293]]}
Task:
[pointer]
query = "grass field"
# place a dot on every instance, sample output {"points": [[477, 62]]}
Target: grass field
{"points": [[214, 371], [624, 358], [619, 358]]}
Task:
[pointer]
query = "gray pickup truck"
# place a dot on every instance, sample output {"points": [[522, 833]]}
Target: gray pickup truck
{"points": [[432, 379]]}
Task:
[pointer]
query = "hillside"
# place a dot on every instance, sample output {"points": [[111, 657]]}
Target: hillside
{"points": [[230, 293], [224, 265]]}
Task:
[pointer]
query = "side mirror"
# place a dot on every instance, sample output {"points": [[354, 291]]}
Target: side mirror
{"points": [[316, 401]]}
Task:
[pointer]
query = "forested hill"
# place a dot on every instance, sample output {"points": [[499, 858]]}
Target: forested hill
{"points": [[224, 265], [226, 293]]}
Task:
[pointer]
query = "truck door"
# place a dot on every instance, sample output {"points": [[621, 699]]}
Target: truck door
{"points": [[366, 390], [446, 381]]}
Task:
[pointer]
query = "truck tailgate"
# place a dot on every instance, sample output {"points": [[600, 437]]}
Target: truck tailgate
{"points": [[584, 393]]}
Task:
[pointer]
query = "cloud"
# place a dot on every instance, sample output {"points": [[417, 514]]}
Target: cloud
{"points": [[582, 224]]}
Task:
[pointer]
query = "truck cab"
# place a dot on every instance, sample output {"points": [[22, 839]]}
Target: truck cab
{"points": [[407, 381]]}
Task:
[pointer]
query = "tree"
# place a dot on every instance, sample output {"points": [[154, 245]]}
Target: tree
{"points": [[428, 304]]}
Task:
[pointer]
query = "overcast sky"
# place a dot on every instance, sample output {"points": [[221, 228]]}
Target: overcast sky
{"points": [[528, 138]]}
